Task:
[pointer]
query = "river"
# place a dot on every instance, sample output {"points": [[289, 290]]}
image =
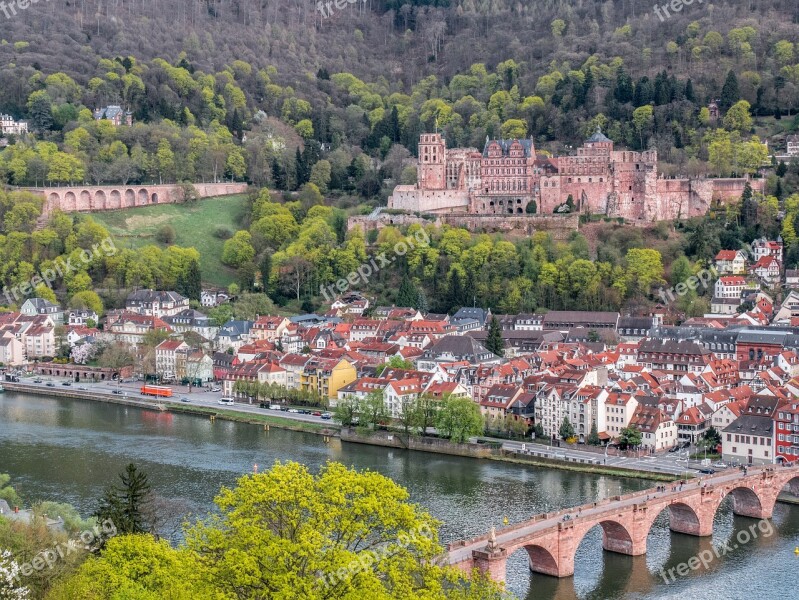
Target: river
{"points": [[70, 450]]}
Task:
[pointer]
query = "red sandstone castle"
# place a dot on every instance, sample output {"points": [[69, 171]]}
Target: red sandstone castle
{"points": [[507, 176]]}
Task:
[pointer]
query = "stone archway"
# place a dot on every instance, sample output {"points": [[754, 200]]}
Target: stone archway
{"points": [[99, 200], [130, 198], [114, 200], [154, 198], [54, 201], [85, 201], [70, 202], [745, 502], [142, 198], [542, 561]]}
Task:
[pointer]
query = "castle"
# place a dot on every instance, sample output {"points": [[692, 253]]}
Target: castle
{"points": [[508, 177]]}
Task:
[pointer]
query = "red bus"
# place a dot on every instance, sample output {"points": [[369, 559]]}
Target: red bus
{"points": [[156, 390]]}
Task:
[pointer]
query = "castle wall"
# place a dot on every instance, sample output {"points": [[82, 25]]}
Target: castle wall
{"points": [[411, 198], [559, 226], [91, 198]]}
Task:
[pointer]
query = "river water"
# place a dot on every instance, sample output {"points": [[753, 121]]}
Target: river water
{"points": [[70, 450]]}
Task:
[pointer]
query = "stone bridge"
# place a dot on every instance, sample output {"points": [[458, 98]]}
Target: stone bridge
{"points": [[92, 198], [551, 539]]}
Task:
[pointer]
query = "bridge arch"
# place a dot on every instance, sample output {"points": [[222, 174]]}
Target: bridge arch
{"points": [[615, 537], [745, 502], [542, 560]]}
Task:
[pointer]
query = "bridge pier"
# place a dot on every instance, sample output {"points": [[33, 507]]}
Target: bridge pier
{"points": [[491, 563]]}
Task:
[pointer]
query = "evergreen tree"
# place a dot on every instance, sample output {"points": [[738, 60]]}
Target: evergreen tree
{"points": [[730, 94], [278, 175], [566, 430], [125, 506], [456, 295], [689, 91], [407, 294], [265, 267], [494, 342], [623, 92], [189, 284], [593, 437]]}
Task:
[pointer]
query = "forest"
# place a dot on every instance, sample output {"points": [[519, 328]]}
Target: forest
{"points": [[325, 112]]}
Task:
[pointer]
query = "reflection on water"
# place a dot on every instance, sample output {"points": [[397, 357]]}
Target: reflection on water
{"points": [[69, 450]]}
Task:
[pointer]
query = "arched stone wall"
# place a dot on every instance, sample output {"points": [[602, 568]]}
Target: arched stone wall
{"points": [[99, 200], [130, 198], [114, 200]]}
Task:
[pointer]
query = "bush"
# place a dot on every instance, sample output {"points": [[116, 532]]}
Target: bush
{"points": [[166, 235], [223, 233]]}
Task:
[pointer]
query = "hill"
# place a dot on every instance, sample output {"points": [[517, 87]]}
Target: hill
{"points": [[196, 225]]}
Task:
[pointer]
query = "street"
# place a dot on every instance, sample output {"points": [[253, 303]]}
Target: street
{"points": [[197, 396]]}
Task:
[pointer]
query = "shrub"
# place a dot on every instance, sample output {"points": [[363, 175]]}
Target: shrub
{"points": [[166, 235]]}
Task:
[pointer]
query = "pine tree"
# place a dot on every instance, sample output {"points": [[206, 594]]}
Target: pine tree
{"points": [[278, 175], [730, 94], [125, 506], [566, 430], [593, 437], [407, 294], [689, 91], [266, 269], [456, 292], [190, 283], [494, 342]]}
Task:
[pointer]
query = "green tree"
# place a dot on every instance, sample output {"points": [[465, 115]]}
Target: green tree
{"points": [[346, 411], [593, 437], [318, 531], [730, 93], [630, 437], [238, 249], [373, 411], [566, 430], [126, 505], [7, 492], [459, 419], [139, 566], [494, 341], [394, 362], [407, 293]]}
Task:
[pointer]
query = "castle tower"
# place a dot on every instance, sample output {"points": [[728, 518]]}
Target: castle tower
{"points": [[432, 162]]}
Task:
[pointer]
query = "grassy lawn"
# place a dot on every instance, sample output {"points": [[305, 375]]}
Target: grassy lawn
{"points": [[194, 225]]}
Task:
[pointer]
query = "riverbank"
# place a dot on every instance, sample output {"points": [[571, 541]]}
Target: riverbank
{"points": [[265, 420], [327, 430], [439, 446]]}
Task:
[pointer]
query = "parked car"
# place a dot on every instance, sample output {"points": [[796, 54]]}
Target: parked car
{"points": [[184, 399], [675, 448], [216, 389], [66, 383], [305, 411], [226, 401], [50, 384], [292, 410], [116, 391], [316, 413], [327, 415], [707, 471], [37, 380], [274, 407]]}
